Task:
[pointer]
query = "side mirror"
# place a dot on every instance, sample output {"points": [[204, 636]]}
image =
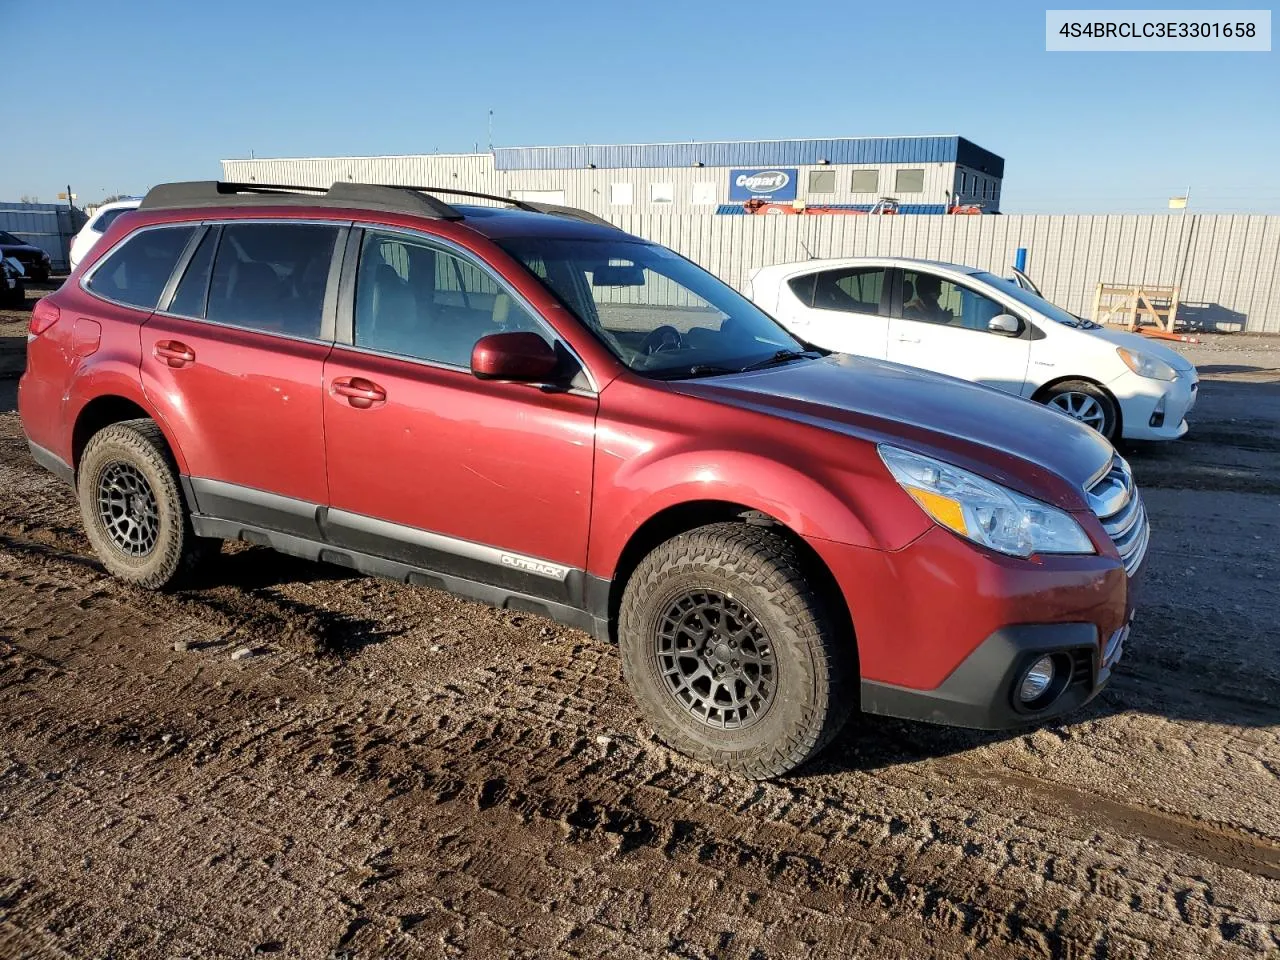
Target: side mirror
{"points": [[521, 356], [1005, 324]]}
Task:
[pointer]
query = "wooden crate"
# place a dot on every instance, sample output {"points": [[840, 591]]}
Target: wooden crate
{"points": [[1130, 306]]}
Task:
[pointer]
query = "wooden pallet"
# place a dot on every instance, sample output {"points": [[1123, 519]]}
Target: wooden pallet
{"points": [[1130, 306]]}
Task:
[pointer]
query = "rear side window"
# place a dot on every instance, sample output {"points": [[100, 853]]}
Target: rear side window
{"points": [[136, 271], [107, 217], [852, 291], [272, 277], [802, 287]]}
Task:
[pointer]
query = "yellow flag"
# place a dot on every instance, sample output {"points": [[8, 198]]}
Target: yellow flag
{"points": [[1177, 203]]}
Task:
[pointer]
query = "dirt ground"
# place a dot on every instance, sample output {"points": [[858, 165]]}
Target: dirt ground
{"points": [[396, 773]]}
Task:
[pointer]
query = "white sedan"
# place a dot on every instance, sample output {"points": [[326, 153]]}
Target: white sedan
{"points": [[976, 326]]}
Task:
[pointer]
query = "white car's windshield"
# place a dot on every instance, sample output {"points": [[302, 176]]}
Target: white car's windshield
{"points": [[1029, 299], [657, 312]]}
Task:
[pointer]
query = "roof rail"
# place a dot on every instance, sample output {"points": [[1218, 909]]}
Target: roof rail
{"points": [[394, 198], [215, 193]]}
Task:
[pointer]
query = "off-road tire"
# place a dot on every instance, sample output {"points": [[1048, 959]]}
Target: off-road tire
{"points": [[177, 550], [1110, 411], [816, 669]]}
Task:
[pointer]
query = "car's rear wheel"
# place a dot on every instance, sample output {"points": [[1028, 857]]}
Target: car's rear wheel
{"points": [[132, 506], [733, 656], [1086, 402]]}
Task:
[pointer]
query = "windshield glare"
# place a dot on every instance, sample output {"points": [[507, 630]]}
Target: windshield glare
{"points": [[658, 313], [1029, 299]]}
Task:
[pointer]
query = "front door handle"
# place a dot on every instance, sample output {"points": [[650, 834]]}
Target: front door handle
{"points": [[359, 392], [174, 352]]}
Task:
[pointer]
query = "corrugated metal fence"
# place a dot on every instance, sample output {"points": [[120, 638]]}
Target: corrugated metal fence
{"points": [[49, 226], [1227, 266]]}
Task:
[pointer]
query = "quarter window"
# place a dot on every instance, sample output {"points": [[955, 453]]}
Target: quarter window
{"points": [[272, 277], [866, 181], [932, 299], [416, 300], [909, 181], [135, 272], [822, 181], [107, 217]]}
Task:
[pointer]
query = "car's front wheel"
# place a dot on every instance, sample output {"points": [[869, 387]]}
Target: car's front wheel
{"points": [[1086, 402], [132, 506], [733, 656]]}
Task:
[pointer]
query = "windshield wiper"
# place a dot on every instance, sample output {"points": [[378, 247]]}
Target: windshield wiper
{"points": [[782, 356]]}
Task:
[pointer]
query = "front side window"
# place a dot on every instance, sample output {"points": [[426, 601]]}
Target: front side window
{"points": [[417, 300], [932, 299], [135, 272], [851, 291], [658, 313], [909, 181], [272, 277]]}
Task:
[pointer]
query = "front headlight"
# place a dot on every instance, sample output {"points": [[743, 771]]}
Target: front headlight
{"points": [[1145, 365], [985, 512]]}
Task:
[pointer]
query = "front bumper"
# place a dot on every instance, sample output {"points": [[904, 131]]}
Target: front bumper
{"points": [[982, 693], [945, 629], [1139, 398]]}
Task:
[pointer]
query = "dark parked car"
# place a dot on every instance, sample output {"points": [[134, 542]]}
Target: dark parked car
{"points": [[13, 288], [532, 408], [34, 260]]}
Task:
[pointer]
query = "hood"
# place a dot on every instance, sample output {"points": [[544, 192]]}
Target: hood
{"points": [[882, 401], [1137, 342]]}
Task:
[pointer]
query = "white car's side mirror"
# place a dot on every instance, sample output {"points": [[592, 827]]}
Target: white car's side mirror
{"points": [[1006, 324]]}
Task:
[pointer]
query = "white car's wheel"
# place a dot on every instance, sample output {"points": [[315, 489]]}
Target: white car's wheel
{"points": [[1087, 403]]}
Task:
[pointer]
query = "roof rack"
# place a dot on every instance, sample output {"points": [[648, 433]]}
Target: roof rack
{"points": [[394, 198]]}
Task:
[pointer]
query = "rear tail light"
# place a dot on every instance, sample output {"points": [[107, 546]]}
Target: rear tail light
{"points": [[43, 316]]}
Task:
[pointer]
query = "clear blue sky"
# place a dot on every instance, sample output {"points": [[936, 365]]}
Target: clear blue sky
{"points": [[118, 96]]}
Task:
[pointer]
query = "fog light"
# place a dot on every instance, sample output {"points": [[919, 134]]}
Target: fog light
{"points": [[1036, 680]]}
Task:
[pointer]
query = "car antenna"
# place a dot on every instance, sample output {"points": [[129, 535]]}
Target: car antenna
{"points": [[809, 253]]}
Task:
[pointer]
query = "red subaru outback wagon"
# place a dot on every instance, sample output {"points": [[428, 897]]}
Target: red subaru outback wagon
{"points": [[521, 404]]}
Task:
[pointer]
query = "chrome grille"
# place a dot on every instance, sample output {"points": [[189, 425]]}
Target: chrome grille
{"points": [[1115, 499]]}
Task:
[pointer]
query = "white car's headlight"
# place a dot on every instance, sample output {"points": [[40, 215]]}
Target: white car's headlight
{"points": [[1145, 365], [985, 512]]}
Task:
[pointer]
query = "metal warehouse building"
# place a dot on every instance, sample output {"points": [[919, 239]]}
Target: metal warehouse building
{"points": [[923, 174]]}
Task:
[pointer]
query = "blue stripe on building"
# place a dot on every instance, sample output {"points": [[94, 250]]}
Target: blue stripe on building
{"points": [[737, 208], [754, 153]]}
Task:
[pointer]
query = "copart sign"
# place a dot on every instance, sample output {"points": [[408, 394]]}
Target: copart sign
{"points": [[766, 183]]}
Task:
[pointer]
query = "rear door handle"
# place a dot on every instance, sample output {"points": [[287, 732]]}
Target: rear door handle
{"points": [[359, 392], [908, 339], [174, 352]]}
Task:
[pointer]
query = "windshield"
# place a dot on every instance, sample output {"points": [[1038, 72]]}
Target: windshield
{"points": [[658, 313], [9, 238], [1029, 299]]}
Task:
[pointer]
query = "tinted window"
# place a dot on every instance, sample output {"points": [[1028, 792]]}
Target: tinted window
{"points": [[850, 290], [272, 277], [802, 287], [107, 217], [136, 271], [416, 300], [193, 289], [909, 181], [935, 300]]}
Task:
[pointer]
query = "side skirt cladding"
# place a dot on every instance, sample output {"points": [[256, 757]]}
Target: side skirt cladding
{"points": [[418, 557]]}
